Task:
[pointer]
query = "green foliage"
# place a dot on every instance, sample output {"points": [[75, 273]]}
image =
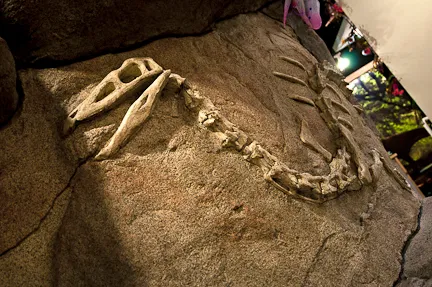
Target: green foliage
{"points": [[421, 148], [391, 114]]}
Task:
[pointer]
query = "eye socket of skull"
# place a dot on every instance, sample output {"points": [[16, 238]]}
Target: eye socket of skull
{"points": [[130, 73]]}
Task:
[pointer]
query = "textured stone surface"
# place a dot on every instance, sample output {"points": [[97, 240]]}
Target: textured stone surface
{"points": [[418, 262], [34, 168], [30, 264], [416, 282], [66, 30], [8, 92], [175, 209]]}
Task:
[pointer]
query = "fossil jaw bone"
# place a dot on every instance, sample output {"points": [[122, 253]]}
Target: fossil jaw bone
{"points": [[136, 115], [130, 79]]}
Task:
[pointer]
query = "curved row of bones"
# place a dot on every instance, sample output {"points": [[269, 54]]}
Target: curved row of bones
{"points": [[144, 77]]}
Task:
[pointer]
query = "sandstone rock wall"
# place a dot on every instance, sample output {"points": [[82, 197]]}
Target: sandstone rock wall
{"points": [[174, 207], [66, 30], [417, 265]]}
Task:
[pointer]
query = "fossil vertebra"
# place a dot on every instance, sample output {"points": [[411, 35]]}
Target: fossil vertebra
{"points": [[144, 78]]}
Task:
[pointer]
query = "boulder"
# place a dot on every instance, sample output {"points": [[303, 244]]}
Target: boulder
{"points": [[67, 30], [176, 206], [8, 92]]}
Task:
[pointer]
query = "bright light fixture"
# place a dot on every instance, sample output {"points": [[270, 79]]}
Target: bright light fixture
{"points": [[343, 63]]}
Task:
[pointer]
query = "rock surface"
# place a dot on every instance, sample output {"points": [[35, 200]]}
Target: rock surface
{"points": [[8, 92], [416, 282], [174, 208], [34, 168], [65, 30], [30, 263], [418, 262]]}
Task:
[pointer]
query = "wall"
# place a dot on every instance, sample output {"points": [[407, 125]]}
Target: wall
{"points": [[400, 32]]}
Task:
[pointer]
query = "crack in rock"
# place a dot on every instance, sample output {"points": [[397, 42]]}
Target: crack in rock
{"points": [[51, 206], [316, 257], [405, 248]]}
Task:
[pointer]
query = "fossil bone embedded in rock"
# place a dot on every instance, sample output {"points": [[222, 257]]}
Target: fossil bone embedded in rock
{"points": [[358, 156], [130, 79], [335, 90], [315, 188], [294, 62], [301, 99], [377, 167], [332, 73], [289, 78], [318, 81], [136, 115], [340, 106], [308, 139], [345, 121], [359, 109]]}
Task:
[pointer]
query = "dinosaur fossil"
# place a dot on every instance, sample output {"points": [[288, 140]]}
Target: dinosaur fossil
{"points": [[143, 77]]}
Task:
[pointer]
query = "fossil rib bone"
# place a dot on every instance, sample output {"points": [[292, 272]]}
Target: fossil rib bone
{"points": [[294, 62], [359, 109], [290, 78], [396, 174], [307, 138], [358, 155], [304, 185], [335, 91], [340, 106], [346, 122], [377, 166], [302, 100]]}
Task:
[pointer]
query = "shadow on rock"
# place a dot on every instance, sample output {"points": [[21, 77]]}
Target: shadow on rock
{"points": [[88, 250]]}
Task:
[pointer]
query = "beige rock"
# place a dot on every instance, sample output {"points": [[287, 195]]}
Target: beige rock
{"points": [[174, 207], [30, 263], [34, 166], [308, 38]]}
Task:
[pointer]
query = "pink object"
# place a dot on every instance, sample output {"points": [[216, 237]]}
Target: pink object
{"points": [[309, 11], [286, 8], [367, 51], [337, 8], [396, 91], [313, 13]]}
